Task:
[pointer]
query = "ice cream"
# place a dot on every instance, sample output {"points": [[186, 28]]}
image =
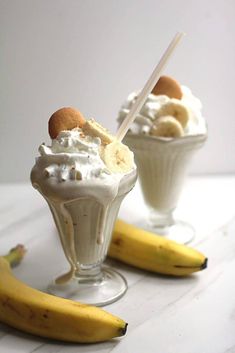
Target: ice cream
{"points": [[164, 136], [83, 180]]}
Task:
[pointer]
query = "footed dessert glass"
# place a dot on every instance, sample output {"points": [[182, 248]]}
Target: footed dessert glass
{"points": [[85, 225], [162, 166]]}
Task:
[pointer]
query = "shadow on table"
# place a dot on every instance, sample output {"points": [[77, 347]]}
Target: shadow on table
{"points": [[12, 344]]}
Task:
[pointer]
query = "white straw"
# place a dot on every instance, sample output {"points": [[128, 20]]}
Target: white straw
{"points": [[148, 87]]}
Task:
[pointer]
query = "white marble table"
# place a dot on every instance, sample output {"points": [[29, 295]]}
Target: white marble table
{"points": [[186, 315]]}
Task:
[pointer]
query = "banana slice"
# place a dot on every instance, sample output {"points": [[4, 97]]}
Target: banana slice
{"points": [[167, 126], [117, 157], [176, 109], [92, 128]]}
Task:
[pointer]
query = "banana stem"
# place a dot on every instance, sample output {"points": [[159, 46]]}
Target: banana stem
{"points": [[15, 255]]}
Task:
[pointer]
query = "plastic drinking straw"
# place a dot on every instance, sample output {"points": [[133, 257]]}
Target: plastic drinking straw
{"points": [[148, 86]]}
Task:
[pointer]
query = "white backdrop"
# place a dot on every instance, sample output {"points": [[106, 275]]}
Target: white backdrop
{"points": [[91, 54]]}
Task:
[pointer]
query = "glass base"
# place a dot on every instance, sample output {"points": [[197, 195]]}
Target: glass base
{"points": [[163, 223], [180, 231], [104, 289]]}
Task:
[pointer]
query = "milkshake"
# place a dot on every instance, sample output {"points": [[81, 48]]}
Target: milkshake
{"points": [[84, 176], [164, 136]]}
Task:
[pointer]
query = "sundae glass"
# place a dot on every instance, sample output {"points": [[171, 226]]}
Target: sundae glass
{"points": [[84, 176], [166, 133]]}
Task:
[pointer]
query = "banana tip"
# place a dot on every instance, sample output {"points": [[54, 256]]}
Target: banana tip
{"points": [[123, 330], [204, 265]]}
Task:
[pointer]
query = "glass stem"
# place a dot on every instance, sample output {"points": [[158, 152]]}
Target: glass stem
{"points": [[89, 274], [161, 219]]}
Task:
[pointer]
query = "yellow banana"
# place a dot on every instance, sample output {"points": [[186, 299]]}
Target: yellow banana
{"points": [[35, 312], [152, 252]]}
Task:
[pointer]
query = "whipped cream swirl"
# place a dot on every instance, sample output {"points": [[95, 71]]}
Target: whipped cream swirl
{"points": [[144, 120], [72, 156]]}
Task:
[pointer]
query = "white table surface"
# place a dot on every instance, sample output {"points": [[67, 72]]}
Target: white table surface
{"points": [[166, 315]]}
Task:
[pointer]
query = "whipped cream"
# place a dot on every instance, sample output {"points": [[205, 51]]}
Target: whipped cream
{"points": [[72, 156], [144, 120]]}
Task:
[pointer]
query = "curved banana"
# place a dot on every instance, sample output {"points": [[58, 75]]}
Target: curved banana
{"points": [[45, 315], [155, 253]]}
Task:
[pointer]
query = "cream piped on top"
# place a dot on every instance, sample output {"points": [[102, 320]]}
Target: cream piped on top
{"points": [[73, 156], [144, 121]]}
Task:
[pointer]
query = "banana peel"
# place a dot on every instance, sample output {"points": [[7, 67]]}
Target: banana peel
{"points": [[35, 312], [154, 253]]}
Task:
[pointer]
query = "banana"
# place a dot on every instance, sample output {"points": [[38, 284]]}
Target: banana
{"points": [[176, 109], [45, 315], [166, 126], [153, 253], [92, 128], [117, 157]]}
